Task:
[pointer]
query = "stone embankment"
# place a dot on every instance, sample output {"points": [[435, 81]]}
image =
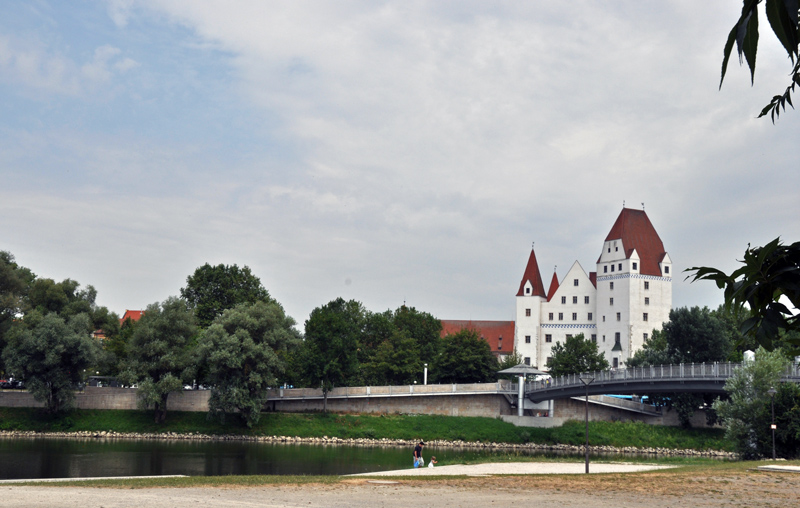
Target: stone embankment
{"points": [[325, 440]]}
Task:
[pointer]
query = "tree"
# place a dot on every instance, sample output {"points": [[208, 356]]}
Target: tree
{"points": [[692, 335], [507, 362], [748, 389], [575, 356], [159, 354], [783, 19], [425, 329], [242, 353], [769, 276], [465, 358], [14, 281], [50, 357], [213, 289], [396, 361], [328, 356]]}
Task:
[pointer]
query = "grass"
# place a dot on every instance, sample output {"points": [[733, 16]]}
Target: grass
{"points": [[346, 426]]}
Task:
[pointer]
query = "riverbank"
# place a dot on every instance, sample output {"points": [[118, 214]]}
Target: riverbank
{"points": [[370, 430]]}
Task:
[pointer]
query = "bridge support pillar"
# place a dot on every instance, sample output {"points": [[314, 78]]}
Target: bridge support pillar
{"points": [[521, 396]]}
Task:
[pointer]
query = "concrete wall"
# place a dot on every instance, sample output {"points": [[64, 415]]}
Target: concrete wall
{"points": [[449, 405], [112, 398]]}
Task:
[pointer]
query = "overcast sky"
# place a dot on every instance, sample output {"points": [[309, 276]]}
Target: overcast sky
{"points": [[382, 151]]}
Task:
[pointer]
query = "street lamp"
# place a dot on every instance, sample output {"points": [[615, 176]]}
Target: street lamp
{"points": [[425, 375], [586, 379], [772, 393]]}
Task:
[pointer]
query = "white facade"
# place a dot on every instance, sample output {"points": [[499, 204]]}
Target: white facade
{"points": [[618, 306]]}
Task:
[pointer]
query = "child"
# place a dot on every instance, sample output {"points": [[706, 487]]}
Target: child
{"points": [[432, 462]]}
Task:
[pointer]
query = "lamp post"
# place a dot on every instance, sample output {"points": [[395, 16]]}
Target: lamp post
{"points": [[425, 375], [586, 379], [772, 393]]}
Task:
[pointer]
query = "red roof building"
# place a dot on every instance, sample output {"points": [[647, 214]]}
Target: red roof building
{"points": [[133, 315], [499, 334]]}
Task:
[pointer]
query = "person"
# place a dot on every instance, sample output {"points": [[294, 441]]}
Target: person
{"points": [[432, 461], [418, 454]]}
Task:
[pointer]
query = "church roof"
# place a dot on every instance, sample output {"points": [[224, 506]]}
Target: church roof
{"points": [[633, 227], [133, 315], [532, 274]]}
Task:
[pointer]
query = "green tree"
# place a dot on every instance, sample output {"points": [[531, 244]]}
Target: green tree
{"points": [[396, 361], [159, 354], [576, 355], [508, 361], [770, 276], [242, 352], [213, 289], [425, 329], [692, 335], [328, 355], [748, 399], [51, 357], [14, 281], [783, 19], [465, 358]]}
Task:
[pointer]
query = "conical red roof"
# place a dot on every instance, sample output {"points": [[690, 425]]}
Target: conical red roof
{"points": [[633, 227], [553, 287], [532, 274]]}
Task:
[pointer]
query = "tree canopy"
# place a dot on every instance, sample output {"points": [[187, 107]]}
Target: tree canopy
{"points": [[210, 290], [768, 277], [783, 19], [242, 353], [576, 355], [465, 358], [51, 356], [159, 357]]}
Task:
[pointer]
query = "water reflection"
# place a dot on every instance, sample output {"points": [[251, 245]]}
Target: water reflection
{"points": [[85, 458]]}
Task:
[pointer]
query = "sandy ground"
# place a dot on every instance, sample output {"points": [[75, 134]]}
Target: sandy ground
{"points": [[654, 489]]}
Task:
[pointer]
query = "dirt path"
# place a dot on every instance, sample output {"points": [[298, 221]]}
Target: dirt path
{"points": [[652, 490]]}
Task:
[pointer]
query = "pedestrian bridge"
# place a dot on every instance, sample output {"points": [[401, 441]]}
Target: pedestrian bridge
{"points": [[685, 377]]}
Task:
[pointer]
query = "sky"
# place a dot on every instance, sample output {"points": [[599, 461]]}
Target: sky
{"points": [[389, 152]]}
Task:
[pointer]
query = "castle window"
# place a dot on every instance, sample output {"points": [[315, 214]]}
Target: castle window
{"points": [[574, 316], [569, 336], [616, 363], [528, 312], [548, 338], [604, 319], [527, 360], [549, 358], [616, 249], [527, 339], [499, 345], [644, 336], [611, 301], [574, 282], [619, 317], [561, 316], [563, 299], [594, 338], [550, 316], [647, 300], [647, 284], [644, 316], [612, 268], [605, 269], [620, 267], [666, 269], [590, 317], [586, 300], [527, 291], [574, 299], [609, 249], [611, 286], [616, 339], [604, 338], [635, 265]]}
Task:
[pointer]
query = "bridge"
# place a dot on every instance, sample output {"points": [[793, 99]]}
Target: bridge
{"points": [[688, 377]]}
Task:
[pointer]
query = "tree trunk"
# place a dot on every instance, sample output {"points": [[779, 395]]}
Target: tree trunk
{"points": [[161, 409]]}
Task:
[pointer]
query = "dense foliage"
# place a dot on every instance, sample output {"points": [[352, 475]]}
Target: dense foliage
{"points": [[747, 413], [210, 290], [576, 355], [159, 355], [465, 358], [242, 353]]}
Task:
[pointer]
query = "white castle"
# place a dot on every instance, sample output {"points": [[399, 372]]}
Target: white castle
{"points": [[617, 306]]}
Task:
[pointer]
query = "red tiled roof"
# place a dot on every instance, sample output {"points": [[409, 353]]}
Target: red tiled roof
{"points": [[553, 287], [593, 279], [133, 315], [532, 274], [490, 331], [633, 227]]}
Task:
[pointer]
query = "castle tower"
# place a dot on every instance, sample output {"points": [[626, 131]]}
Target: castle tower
{"points": [[634, 286], [529, 307]]}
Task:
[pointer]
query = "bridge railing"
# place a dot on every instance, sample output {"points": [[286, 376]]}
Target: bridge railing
{"points": [[678, 371]]}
